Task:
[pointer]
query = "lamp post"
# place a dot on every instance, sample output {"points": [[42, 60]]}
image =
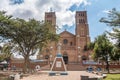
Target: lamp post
{"points": [[79, 54], [119, 60], [41, 56], [107, 62], [79, 58], [78, 38], [89, 57], [50, 60], [51, 55]]}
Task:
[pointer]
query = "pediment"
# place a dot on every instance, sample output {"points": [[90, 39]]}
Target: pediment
{"points": [[66, 34]]}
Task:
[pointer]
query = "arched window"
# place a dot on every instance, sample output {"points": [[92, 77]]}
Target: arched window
{"points": [[71, 43], [65, 41], [81, 20]]}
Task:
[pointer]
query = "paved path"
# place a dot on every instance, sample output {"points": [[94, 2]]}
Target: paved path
{"points": [[72, 75]]}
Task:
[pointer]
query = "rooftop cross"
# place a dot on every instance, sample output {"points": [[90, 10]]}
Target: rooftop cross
{"points": [[51, 9]]}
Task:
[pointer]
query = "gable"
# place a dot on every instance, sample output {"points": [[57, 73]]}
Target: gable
{"points": [[66, 34]]}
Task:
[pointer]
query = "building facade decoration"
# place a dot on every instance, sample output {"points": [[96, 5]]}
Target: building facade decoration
{"points": [[73, 45]]}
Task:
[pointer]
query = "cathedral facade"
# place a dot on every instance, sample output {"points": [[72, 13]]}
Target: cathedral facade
{"points": [[72, 45]]}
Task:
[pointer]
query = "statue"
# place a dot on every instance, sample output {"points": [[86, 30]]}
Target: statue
{"points": [[58, 64], [59, 48]]}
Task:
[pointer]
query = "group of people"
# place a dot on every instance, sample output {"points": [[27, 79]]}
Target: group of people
{"points": [[91, 69]]}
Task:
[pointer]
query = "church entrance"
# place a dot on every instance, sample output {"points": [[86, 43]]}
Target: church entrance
{"points": [[65, 58], [84, 57]]}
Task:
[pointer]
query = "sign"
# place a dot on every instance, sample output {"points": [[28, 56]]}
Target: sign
{"points": [[58, 64]]}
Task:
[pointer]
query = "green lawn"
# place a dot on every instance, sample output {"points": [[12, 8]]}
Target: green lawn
{"points": [[112, 77]]}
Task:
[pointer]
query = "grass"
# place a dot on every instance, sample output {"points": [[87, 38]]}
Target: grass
{"points": [[112, 77]]}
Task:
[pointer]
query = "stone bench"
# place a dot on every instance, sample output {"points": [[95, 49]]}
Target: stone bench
{"points": [[88, 78], [57, 73], [92, 78], [63, 73], [52, 73], [84, 77]]}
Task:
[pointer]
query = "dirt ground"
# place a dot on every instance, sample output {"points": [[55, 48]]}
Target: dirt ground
{"points": [[72, 75]]}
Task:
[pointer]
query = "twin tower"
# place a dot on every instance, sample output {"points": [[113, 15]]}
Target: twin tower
{"points": [[73, 45]]}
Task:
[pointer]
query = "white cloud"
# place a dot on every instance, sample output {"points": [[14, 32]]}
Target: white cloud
{"points": [[112, 40], [37, 8], [106, 11]]}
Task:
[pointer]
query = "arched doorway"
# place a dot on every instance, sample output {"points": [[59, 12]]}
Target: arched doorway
{"points": [[46, 56], [84, 57], [65, 58]]}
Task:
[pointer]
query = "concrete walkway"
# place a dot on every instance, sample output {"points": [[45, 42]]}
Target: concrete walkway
{"points": [[72, 75]]}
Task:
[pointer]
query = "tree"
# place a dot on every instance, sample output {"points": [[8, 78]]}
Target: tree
{"points": [[103, 49], [7, 51], [1, 54], [27, 36], [113, 20], [90, 46]]}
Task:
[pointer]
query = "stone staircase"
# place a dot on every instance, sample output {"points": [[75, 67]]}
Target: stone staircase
{"points": [[76, 67], [70, 67]]}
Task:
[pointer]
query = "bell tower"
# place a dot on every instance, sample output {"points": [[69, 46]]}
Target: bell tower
{"points": [[50, 18], [49, 52], [82, 29]]}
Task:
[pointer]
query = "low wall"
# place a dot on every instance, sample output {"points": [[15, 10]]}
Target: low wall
{"points": [[32, 64], [103, 66]]}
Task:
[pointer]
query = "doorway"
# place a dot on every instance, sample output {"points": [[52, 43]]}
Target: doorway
{"points": [[84, 57], [65, 58]]}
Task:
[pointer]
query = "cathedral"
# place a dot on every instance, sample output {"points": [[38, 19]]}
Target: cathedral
{"points": [[73, 46]]}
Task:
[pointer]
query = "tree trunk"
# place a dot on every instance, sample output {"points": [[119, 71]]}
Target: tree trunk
{"points": [[107, 66], [26, 64]]}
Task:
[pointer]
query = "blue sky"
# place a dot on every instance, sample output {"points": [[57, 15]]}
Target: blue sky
{"points": [[95, 12], [65, 12]]}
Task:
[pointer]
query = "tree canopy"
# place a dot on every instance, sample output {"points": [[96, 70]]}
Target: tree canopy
{"points": [[6, 52], [102, 47], [27, 36], [113, 20]]}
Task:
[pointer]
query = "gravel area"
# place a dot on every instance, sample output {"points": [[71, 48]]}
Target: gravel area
{"points": [[72, 75]]}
